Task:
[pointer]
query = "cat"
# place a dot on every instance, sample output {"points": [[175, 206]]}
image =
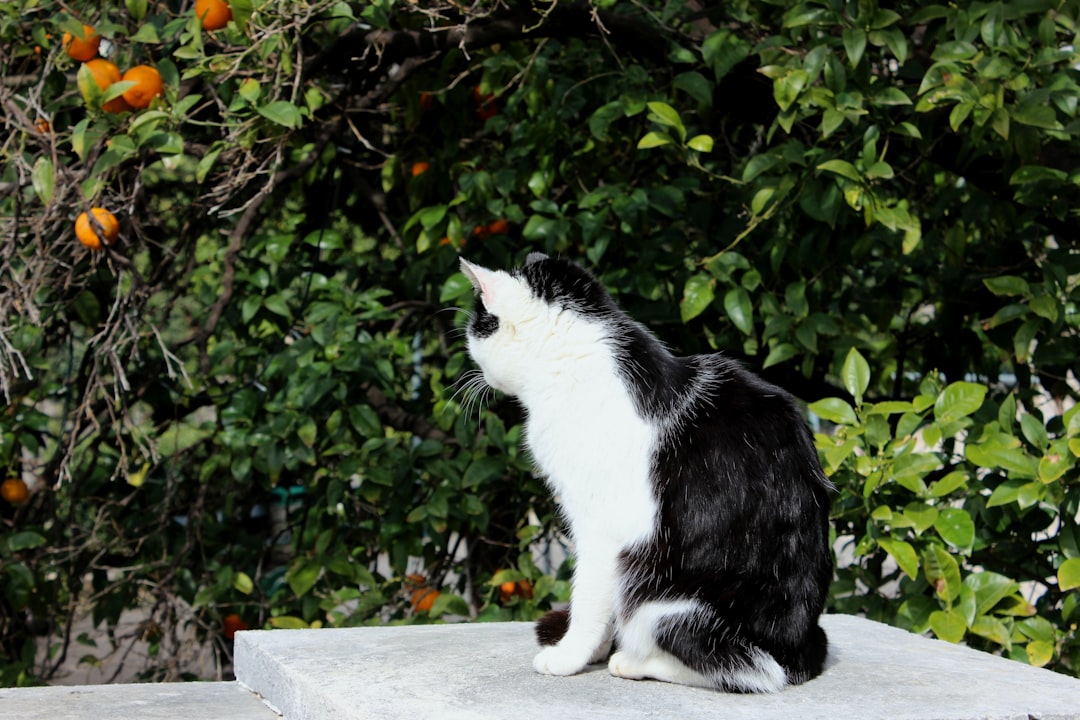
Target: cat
{"points": [[691, 489]]}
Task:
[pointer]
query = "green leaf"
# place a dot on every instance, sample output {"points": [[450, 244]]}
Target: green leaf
{"points": [[701, 143], [698, 293], [1040, 652], [449, 603], [366, 421], [1036, 115], [842, 168], [1036, 173], [904, 554], [1046, 307], [283, 113], [891, 95], [1007, 285], [953, 481], [654, 139], [42, 177], [958, 400], [243, 583], [759, 164], [24, 540], [834, 410], [738, 307], [665, 115], [695, 85], [880, 170], [856, 374], [948, 625], [1005, 493], [996, 455], [990, 588], [1056, 462], [307, 432], [780, 353], [921, 516], [831, 120], [956, 527], [890, 407], [136, 9], [1033, 430], [601, 119], [206, 162], [954, 50], [147, 34], [803, 14], [456, 287], [277, 305], [993, 630], [1068, 575], [482, 470], [250, 89], [787, 87], [303, 576], [942, 572], [854, 44]]}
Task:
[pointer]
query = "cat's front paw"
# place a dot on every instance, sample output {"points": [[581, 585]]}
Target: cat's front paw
{"points": [[559, 660]]}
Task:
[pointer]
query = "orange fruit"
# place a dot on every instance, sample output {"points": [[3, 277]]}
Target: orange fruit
{"points": [[418, 168], [423, 599], [215, 14], [14, 490], [233, 624], [427, 101], [498, 227], [43, 126], [85, 48], [506, 590], [105, 74], [147, 85], [88, 236]]}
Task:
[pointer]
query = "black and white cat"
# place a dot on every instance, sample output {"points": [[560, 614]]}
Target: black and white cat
{"points": [[691, 488]]}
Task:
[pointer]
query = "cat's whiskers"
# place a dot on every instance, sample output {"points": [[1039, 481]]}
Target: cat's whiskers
{"points": [[473, 390]]}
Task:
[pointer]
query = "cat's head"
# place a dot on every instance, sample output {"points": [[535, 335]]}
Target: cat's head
{"points": [[535, 321]]}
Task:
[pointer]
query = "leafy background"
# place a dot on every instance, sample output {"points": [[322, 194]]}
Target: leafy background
{"points": [[252, 406]]}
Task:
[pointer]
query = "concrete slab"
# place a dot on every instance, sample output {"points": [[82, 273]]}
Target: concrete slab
{"points": [[157, 701], [479, 671]]}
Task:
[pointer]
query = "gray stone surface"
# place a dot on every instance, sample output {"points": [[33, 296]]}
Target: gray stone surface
{"points": [[164, 701], [461, 672]]}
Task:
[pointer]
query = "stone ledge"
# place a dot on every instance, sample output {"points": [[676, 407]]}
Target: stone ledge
{"points": [[149, 701], [471, 672]]}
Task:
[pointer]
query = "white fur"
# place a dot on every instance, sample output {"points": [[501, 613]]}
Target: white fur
{"points": [[587, 438], [639, 656]]}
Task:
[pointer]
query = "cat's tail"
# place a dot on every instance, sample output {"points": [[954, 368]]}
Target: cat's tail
{"points": [[806, 661], [552, 626]]}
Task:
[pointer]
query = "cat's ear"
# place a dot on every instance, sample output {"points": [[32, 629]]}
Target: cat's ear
{"points": [[535, 257], [484, 281]]}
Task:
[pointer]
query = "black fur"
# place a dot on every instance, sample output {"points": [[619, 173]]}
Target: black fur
{"points": [[743, 501], [552, 626]]}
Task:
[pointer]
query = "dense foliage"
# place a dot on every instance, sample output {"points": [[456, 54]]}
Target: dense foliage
{"points": [[252, 404]]}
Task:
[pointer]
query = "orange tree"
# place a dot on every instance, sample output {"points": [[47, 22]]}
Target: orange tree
{"points": [[251, 405]]}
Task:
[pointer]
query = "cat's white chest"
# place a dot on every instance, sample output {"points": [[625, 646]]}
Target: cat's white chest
{"points": [[595, 451]]}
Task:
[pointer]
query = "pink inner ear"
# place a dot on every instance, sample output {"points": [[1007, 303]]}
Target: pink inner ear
{"points": [[484, 280]]}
